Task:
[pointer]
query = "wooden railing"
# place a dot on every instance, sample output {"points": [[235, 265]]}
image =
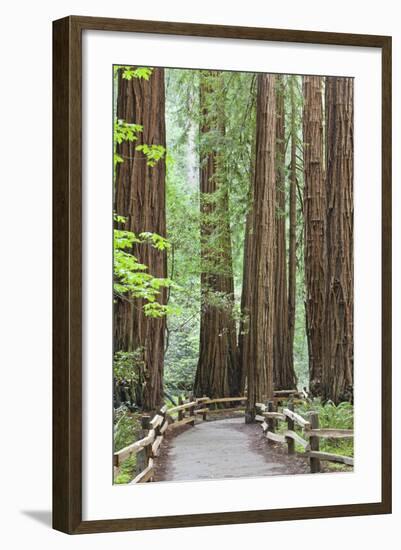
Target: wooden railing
{"points": [[148, 447], [154, 429], [311, 433]]}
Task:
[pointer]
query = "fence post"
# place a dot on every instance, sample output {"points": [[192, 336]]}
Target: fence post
{"points": [[157, 429], [180, 413], [163, 412], [192, 409], [270, 421], [204, 414], [314, 442], [290, 426], [142, 457]]}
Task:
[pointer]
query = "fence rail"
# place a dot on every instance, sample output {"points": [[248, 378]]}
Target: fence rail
{"points": [[154, 429], [311, 433], [148, 447]]}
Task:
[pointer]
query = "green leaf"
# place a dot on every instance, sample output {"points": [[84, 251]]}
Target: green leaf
{"points": [[153, 153], [141, 72]]}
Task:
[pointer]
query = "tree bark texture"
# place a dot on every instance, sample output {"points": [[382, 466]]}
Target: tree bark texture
{"points": [[247, 275], [338, 335], [246, 293], [284, 375], [292, 253], [140, 197], [314, 220], [262, 253], [217, 369]]}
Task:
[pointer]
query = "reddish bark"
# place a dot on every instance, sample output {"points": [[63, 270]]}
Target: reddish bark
{"points": [[217, 369], [140, 197], [338, 334], [314, 220], [261, 255], [284, 375], [292, 253]]}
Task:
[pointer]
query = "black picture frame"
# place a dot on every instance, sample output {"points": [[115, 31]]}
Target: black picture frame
{"points": [[67, 274]]}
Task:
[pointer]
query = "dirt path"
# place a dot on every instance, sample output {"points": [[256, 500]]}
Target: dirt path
{"points": [[221, 449]]}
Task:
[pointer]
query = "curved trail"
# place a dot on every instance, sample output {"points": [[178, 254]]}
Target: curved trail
{"points": [[222, 449]]}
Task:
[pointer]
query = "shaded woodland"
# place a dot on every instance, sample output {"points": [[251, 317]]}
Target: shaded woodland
{"points": [[233, 236]]}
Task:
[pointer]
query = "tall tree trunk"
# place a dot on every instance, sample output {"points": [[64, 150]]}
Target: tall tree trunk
{"points": [[247, 274], [217, 370], [314, 219], [284, 376], [261, 255], [338, 336], [292, 254], [246, 293], [140, 197]]}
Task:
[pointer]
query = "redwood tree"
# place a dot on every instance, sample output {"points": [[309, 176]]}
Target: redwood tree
{"points": [[338, 333], [217, 369], [140, 198], [246, 293], [284, 375], [262, 254], [292, 258], [314, 220]]}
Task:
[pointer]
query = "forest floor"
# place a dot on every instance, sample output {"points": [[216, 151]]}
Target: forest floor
{"points": [[223, 449]]}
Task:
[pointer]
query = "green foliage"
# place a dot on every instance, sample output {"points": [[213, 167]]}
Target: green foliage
{"points": [[124, 239], [131, 279], [339, 416], [330, 415], [124, 131], [156, 310], [140, 72], [182, 204], [157, 241], [181, 360], [301, 362], [129, 72], [153, 153], [230, 103], [127, 365], [126, 471], [126, 430]]}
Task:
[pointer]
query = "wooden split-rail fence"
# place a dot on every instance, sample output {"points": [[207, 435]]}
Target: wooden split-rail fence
{"points": [[270, 416], [154, 429]]}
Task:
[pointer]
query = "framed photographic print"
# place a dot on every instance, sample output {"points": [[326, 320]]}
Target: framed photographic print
{"points": [[222, 274]]}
